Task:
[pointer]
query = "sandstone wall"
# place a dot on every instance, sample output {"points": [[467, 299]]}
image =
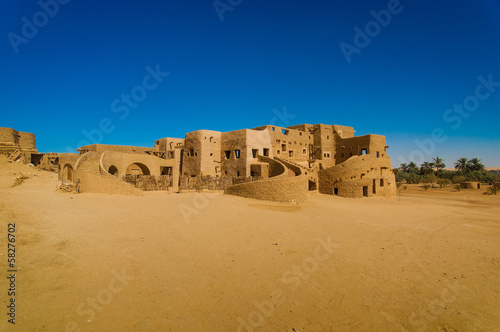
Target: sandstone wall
{"points": [[349, 178]]}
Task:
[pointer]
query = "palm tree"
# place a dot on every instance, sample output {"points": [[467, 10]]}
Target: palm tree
{"points": [[404, 167], [412, 167], [426, 168], [438, 163], [462, 164], [475, 164]]}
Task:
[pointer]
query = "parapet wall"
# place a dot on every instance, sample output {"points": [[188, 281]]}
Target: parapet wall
{"points": [[97, 183], [360, 176], [280, 188]]}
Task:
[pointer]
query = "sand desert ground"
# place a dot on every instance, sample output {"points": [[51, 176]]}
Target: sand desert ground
{"points": [[426, 261]]}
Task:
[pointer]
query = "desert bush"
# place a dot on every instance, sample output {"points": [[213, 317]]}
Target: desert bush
{"points": [[430, 179], [19, 180], [492, 190], [443, 182], [457, 187], [458, 179], [426, 186]]}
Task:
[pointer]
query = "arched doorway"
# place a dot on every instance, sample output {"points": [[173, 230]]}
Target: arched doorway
{"points": [[137, 169], [67, 173], [113, 170]]}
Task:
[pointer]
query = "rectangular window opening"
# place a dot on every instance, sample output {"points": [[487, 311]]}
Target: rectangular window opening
{"points": [[254, 153]]}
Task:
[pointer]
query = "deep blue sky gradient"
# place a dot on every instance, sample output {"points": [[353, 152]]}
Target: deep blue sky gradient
{"points": [[265, 55]]}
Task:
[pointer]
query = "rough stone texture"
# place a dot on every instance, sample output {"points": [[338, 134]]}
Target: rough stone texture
{"points": [[349, 178], [290, 189]]}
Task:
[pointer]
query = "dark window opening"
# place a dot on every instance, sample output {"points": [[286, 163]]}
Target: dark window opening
{"points": [[365, 191], [237, 173], [252, 173], [312, 185], [266, 152], [290, 154], [166, 170], [254, 153], [335, 191], [113, 170], [227, 154], [237, 153], [191, 152], [378, 154], [381, 182], [374, 186], [364, 151], [283, 147]]}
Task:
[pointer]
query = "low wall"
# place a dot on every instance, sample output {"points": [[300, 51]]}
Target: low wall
{"points": [[279, 190], [97, 183]]}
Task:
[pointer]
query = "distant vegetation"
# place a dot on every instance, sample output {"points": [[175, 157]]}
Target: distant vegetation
{"points": [[431, 172]]}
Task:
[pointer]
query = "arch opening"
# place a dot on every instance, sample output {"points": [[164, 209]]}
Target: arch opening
{"points": [[113, 170], [67, 173], [137, 169]]}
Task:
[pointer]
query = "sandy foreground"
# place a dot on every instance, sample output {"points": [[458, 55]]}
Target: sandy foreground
{"points": [[428, 261]]}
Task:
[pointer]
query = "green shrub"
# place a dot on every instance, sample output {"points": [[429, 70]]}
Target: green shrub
{"points": [[458, 179], [443, 182]]}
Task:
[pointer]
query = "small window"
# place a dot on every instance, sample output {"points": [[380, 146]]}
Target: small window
{"points": [[304, 151], [378, 154], [363, 151], [191, 152], [341, 155], [237, 153], [254, 153], [272, 128], [290, 154], [283, 147], [327, 137], [277, 151], [381, 182], [225, 172], [266, 152], [283, 131], [238, 173], [211, 154], [227, 154]]}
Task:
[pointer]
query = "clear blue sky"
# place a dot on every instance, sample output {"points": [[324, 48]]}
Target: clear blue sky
{"points": [[70, 75]]}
